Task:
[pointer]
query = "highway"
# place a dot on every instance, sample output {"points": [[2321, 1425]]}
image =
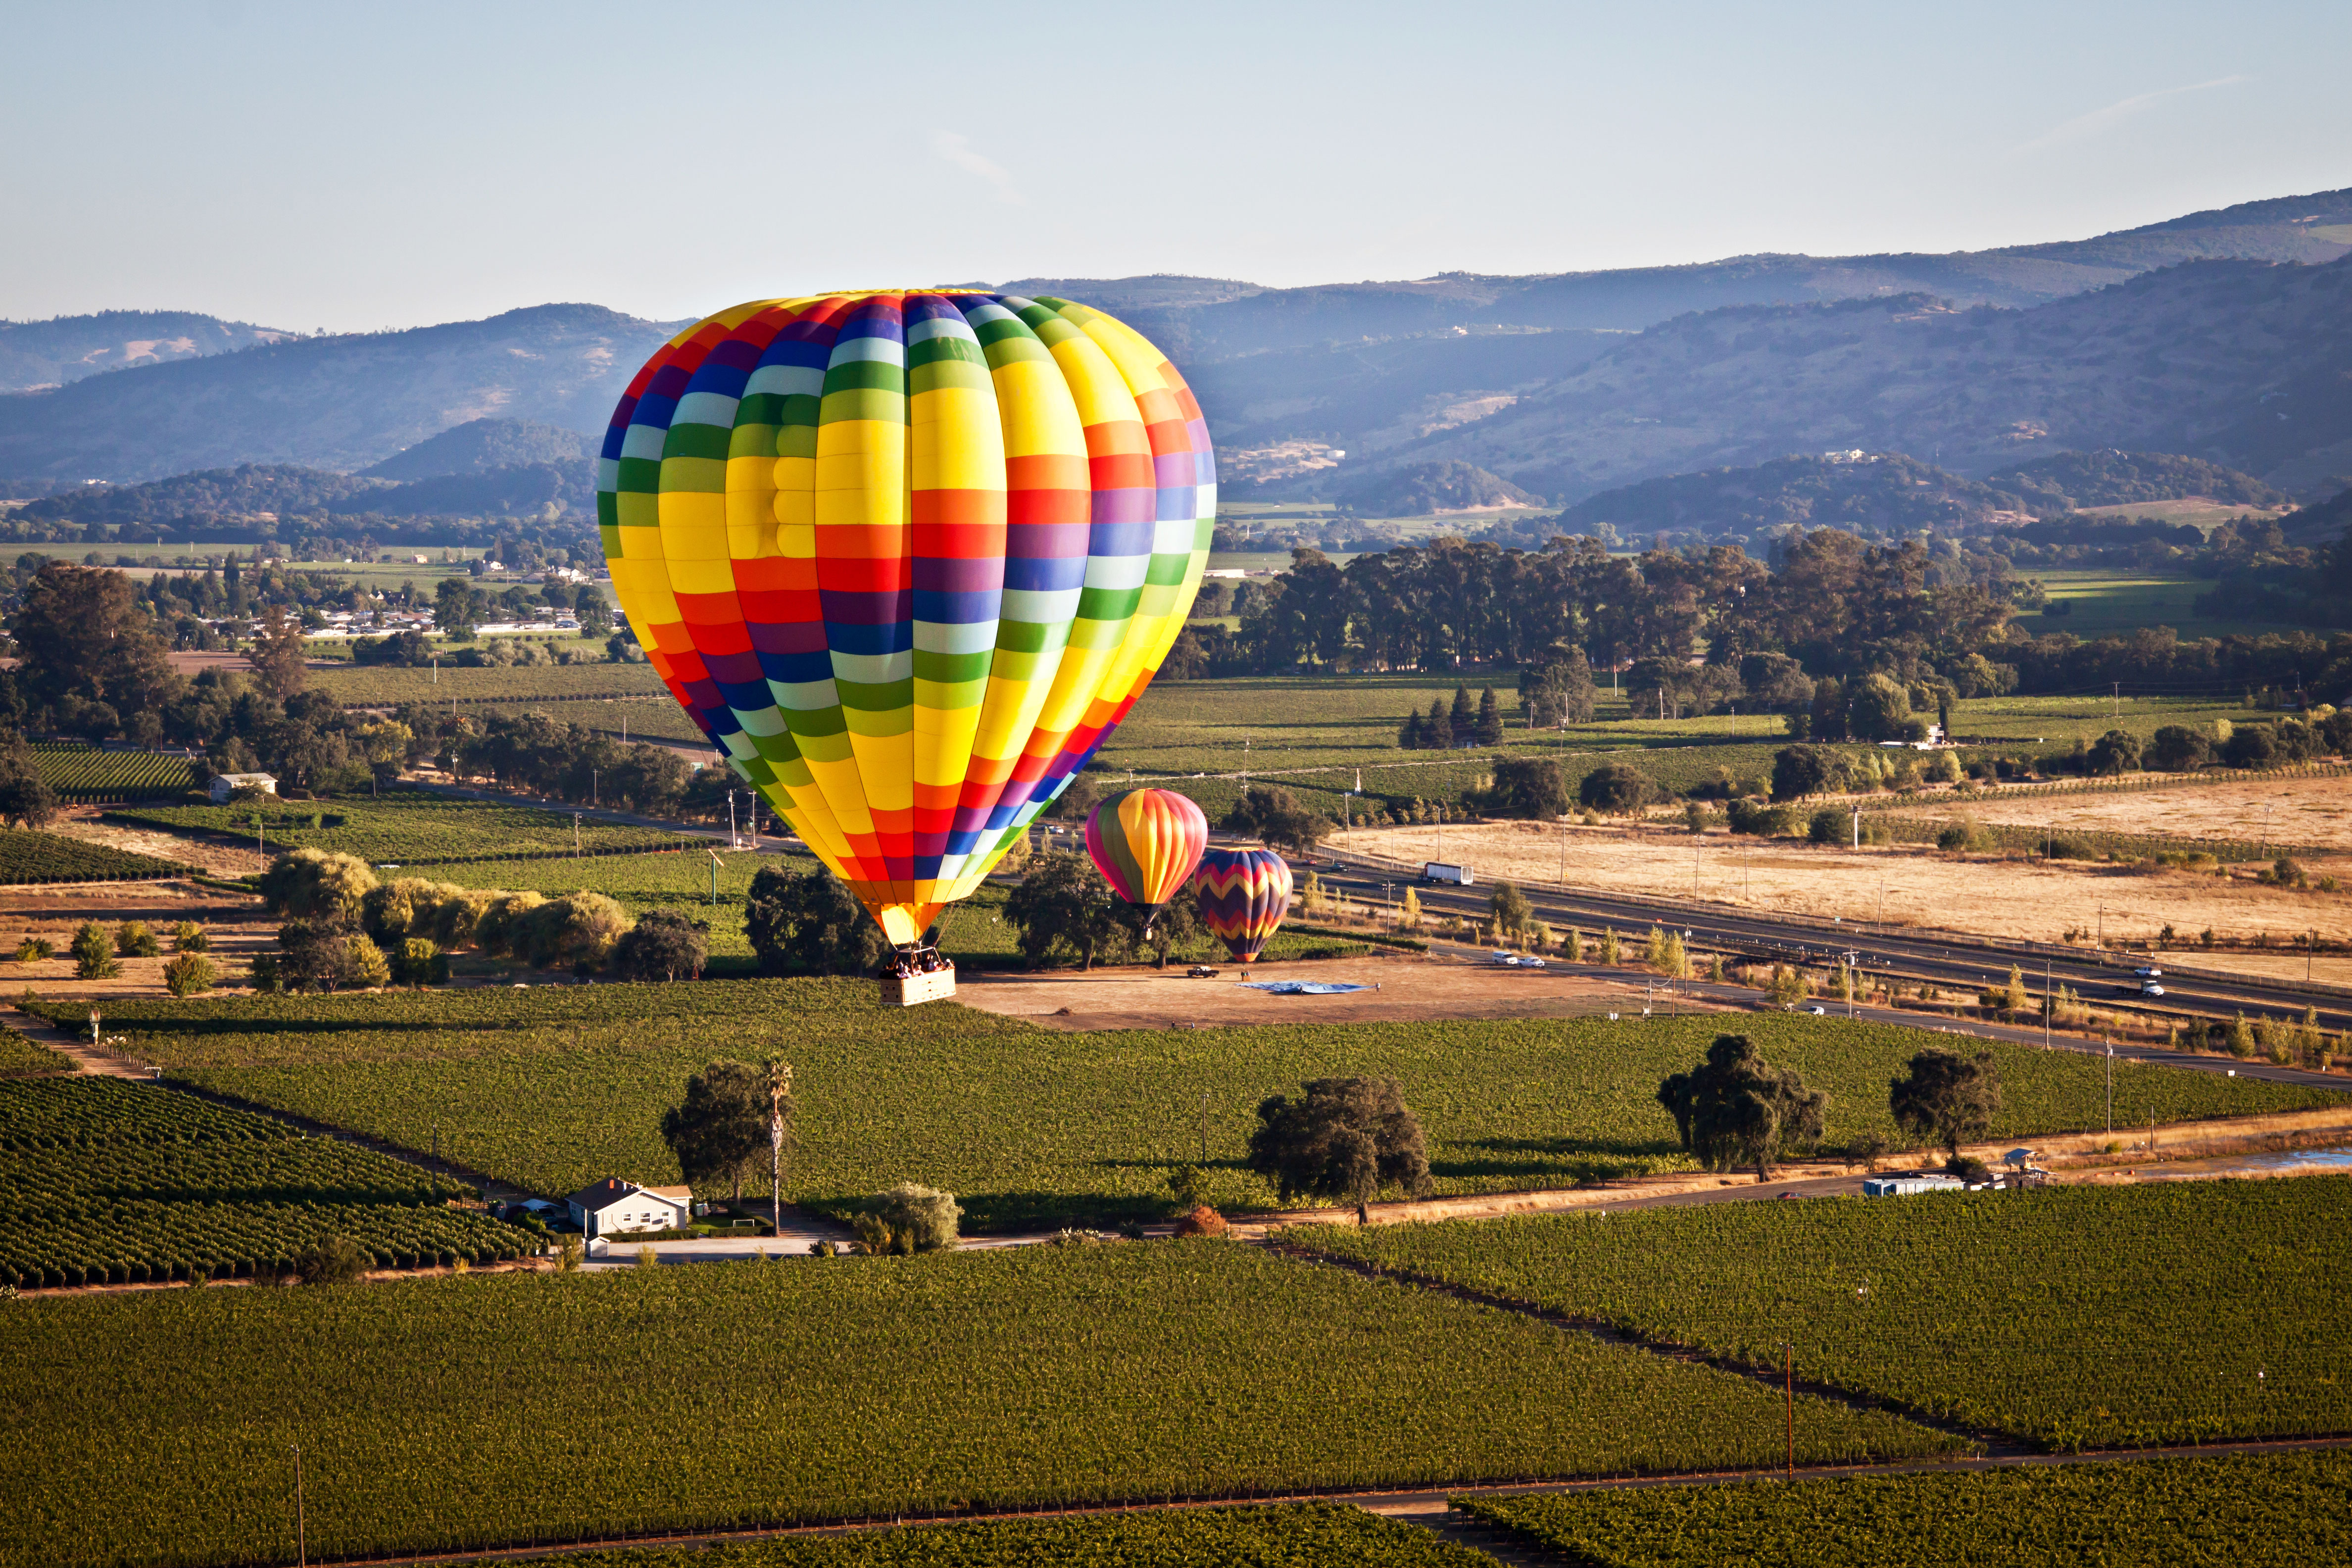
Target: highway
{"points": [[2104, 978]]}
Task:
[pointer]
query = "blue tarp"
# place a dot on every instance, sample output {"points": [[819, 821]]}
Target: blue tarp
{"points": [[1304, 988]]}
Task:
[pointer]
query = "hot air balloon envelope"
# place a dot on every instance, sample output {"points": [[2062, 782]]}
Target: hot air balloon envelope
{"points": [[906, 557], [1146, 842], [1244, 894]]}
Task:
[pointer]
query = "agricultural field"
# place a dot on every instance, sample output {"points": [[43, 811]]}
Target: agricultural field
{"points": [[1282, 1535], [106, 1182], [2268, 1510], [84, 776], [2258, 811], [873, 1388], [21, 1057], [2025, 898], [2071, 1317], [386, 686], [556, 1086], [2109, 602], [410, 829], [28, 858]]}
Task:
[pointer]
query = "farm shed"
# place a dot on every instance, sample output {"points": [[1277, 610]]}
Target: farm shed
{"points": [[612, 1205]]}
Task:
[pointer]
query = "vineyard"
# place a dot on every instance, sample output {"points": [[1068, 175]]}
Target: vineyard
{"points": [[20, 1057], [104, 1181], [1285, 1535], [2075, 1317], [556, 1086], [1039, 1377], [2271, 1510], [84, 776], [388, 686], [27, 858], [411, 829]]}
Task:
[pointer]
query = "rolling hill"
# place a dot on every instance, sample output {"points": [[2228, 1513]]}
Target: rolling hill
{"points": [[51, 353]]}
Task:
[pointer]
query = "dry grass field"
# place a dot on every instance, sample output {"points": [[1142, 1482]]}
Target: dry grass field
{"points": [[2016, 899], [2316, 812]]}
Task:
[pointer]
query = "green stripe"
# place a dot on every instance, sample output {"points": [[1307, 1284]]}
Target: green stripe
{"points": [[865, 402], [694, 441]]}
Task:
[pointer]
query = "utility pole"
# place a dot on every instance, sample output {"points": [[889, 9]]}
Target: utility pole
{"points": [[1857, 827], [2046, 1008], [731, 840], [1852, 960], [2111, 1082]]}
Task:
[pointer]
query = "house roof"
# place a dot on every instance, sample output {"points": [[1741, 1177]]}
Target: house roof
{"points": [[603, 1194]]}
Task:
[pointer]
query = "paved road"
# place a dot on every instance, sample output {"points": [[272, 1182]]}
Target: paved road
{"points": [[1945, 959]]}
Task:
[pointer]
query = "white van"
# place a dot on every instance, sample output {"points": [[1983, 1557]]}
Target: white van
{"points": [[1439, 871]]}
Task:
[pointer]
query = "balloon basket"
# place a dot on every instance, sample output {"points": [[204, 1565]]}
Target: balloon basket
{"points": [[916, 976]]}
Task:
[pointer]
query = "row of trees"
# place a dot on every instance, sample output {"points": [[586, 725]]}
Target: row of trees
{"points": [[1837, 604], [346, 930], [1734, 1110]]}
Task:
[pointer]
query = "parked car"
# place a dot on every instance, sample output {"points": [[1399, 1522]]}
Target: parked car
{"points": [[1818, 1011], [1199, 972], [2147, 971]]}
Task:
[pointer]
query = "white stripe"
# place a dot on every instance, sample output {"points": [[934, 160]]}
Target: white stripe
{"points": [[874, 668], [643, 441], [786, 380], [955, 637], [881, 349], [705, 409], [1039, 607]]}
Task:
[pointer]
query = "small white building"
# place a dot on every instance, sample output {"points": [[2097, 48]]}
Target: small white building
{"points": [[612, 1205], [1910, 1184], [227, 784]]}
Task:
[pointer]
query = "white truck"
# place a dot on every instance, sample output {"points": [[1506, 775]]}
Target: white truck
{"points": [[1439, 871]]}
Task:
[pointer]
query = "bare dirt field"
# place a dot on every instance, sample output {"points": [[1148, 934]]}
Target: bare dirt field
{"points": [[236, 926], [220, 860], [2015, 898], [2314, 812], [1407, 986]]}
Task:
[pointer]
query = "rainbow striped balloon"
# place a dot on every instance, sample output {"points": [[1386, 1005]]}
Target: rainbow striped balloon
{"points": [[1244, 894], [1146, 842], [907, 558]]}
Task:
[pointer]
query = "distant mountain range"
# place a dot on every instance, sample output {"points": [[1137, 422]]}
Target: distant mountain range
{"points": [[2221, 335]]}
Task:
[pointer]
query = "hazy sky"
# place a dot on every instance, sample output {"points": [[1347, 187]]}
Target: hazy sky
{"points": [[352, 167]]}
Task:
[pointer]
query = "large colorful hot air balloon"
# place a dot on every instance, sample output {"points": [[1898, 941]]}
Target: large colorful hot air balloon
{"points": [[907, 558], [1146, 844], [1244, 895]]}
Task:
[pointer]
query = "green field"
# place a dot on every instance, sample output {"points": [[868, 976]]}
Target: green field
{"points": [[485, 1409], [106, 1182], [411, 829], [2271, 1511], [2108, 602], [560, 1085], [385, 686], [1283, 1535], [2073, 1317], [27, 858], [20, 1057]]}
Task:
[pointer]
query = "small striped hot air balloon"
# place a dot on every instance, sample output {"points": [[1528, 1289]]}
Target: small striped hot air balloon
{"points": [[906, 557], [1244, 894], [1146, 843]]}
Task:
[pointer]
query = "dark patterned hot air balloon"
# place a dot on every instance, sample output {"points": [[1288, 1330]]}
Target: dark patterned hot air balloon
{"points": [[1146, 842], [1244, 894]]}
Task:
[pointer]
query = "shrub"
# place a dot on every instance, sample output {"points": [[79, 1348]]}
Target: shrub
{"points": [[1617, 789], [494, 927], [2178, 749], [909, 1220], [189, 936], [1956, 838], [187, 974], [1201, 1221], [667, 944], [133, 939], [318, 885], [267, 975], [2117, 752], [422, 963], [34, 948], [1763, 821], [331, 1260], [94, 953], [1829, 825]]}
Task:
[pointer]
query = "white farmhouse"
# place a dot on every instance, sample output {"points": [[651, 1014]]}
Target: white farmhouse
{"points": [[227, 784], [614, 1206]]}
